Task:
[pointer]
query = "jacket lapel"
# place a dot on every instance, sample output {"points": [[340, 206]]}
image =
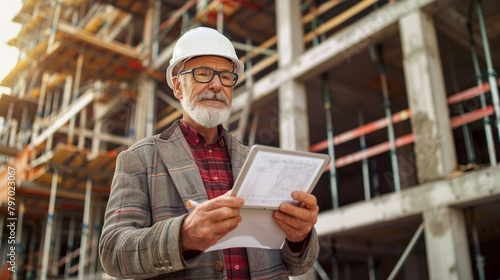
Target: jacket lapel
{"points": [[176, 155], [178, 159], [237, 153]]}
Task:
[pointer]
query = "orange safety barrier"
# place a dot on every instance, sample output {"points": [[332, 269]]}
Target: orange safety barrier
{"points": [[469, 93], [398, 117], [362, 130], [401, 116], [372, 151], [472, 116]]}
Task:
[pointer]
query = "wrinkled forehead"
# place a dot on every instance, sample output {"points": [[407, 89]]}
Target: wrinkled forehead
{"points": [[215, 62]]}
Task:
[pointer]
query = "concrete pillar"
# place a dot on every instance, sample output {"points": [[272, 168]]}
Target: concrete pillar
{"points": [[434, 145], [446, 244], [294, 129]]}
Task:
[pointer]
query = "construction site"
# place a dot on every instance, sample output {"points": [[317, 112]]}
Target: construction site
{"points": [[401, 94]]}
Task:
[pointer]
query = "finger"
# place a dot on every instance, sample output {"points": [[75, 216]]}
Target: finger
{"points": [[223, 213], [298, 212], [288, 220], [309, 200], [224, 201], [226, 226], [292, 234]]}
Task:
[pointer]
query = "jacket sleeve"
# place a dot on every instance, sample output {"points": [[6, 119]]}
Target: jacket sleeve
{"points": [[299, 263], [130, 245]]}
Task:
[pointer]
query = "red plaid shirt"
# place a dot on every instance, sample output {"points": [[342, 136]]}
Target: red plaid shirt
{"points": [[215, 169]]}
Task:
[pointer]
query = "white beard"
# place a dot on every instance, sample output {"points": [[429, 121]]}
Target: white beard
{"points": [[207, 117]]}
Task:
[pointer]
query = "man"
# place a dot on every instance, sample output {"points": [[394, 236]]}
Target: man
{"points": [[150, 232]]}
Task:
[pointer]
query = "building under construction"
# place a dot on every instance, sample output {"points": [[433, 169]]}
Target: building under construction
{"points": [[402, 94]]}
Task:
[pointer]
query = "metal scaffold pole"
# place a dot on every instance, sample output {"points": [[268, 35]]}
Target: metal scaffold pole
{"points": [[19, 236], [490, 142], [31, 258], [364, 162], [69, 246], [220, 17], [2, 217], [85, 229], [469, 142], [331, 147], [479, 80], [57, 245], [489, 64], [50, 221], [377, 57], [477, 251], [94, 254], [371, 267], [407, 252]]}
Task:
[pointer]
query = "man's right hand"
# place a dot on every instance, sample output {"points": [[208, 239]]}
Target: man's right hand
{"points": [[209, 222]]}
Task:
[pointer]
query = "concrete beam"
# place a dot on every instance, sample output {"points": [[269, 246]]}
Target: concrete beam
{"points": [[472, 188], [347, 42]]}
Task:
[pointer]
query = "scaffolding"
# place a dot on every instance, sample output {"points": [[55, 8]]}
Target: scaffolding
{"points": [[363, 81]]}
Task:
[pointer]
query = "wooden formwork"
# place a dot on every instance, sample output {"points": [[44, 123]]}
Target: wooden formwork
{"points": [[74, 168], [19, 105]]}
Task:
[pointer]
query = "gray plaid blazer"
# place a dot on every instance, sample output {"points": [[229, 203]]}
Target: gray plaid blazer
{"points": [[147, 204]]}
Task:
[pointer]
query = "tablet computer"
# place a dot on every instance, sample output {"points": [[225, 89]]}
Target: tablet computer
{"points": [[270, 175]]}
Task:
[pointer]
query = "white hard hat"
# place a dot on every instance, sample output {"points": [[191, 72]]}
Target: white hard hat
{"points": [[202, 41]]}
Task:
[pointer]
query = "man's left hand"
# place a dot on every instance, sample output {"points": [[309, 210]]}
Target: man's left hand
{"points": [[297, 221]]}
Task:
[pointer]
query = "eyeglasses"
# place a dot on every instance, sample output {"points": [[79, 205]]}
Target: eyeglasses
{"points": [[205, 75]]}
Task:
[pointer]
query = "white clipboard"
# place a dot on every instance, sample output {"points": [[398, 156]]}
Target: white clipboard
{"points": [[270, 175]]}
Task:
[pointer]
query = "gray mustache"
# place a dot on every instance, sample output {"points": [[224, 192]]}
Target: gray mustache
{"points": [[212, 95]]}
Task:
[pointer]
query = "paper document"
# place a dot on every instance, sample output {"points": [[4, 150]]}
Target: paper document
{"points": [[270, 175], [267, 179], [257, 229]]}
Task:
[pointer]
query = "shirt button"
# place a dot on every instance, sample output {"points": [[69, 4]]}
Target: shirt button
{"points": [[216, 178], [209, 151], [236, 267], [219, 266], [197, 140]]}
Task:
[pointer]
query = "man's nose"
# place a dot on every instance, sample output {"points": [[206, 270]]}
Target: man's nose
{"points": [[215, 84]]}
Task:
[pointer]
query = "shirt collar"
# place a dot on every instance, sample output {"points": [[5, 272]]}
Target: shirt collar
{"points": [[195, 139]]}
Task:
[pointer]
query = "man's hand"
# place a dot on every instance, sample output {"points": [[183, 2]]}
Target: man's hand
{"points": [[210, 221], [297, 221]]}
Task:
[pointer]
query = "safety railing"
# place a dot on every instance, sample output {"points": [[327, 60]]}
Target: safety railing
{"points": [[455, 122]]}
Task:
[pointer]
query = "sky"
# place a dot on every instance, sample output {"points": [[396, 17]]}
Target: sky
{"points": [[8, 30]]}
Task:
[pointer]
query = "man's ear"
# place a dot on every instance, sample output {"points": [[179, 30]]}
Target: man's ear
{"points": [[177, 87]]}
